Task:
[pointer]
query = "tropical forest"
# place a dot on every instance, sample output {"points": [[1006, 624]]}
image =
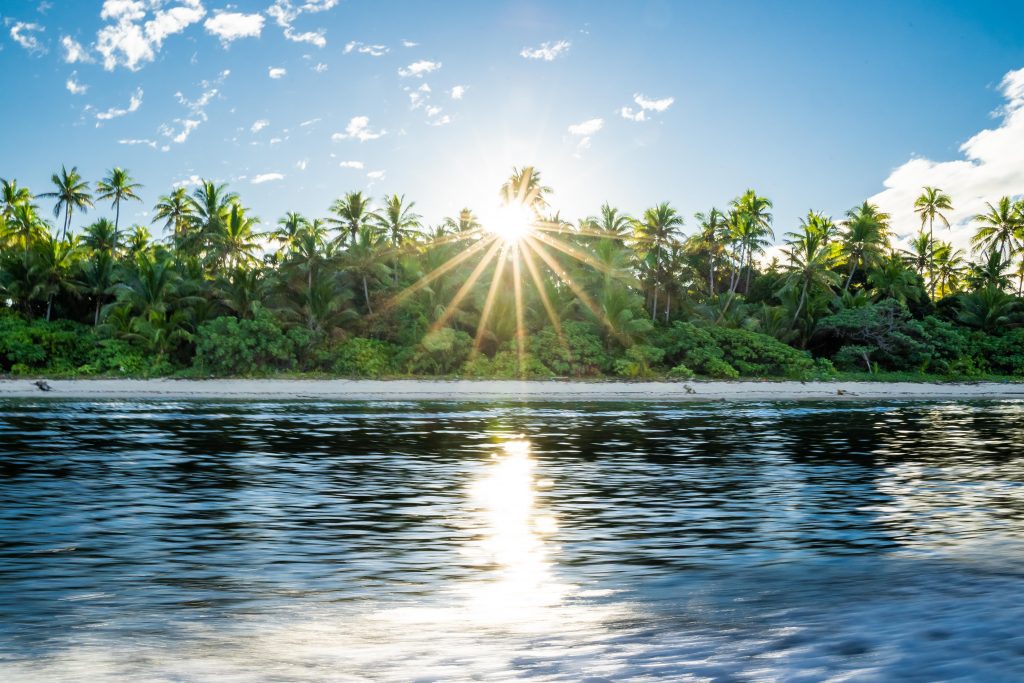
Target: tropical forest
{"points": [[368, 288]]}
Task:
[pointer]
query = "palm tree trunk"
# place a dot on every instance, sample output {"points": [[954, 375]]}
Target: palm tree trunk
{"points": [[49, 307], [668, 304], [654, 306], [853, 268], [366, 293], [117, 218], [750, 268], [711, 276], [96, 315], [931, 254], [800, 305]]}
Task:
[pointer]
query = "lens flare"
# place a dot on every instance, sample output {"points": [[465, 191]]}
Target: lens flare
{"points": [[510, 222]]}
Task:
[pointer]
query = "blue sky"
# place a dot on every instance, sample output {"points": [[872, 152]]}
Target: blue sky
{"points": [[816, 105]]}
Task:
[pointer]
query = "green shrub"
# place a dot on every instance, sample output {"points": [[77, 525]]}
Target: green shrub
{"points": [[228, 346], [442, 352], [638, 361], [680, 372], [578, 353], [753, 354], [854, 358], [59, 347], [361, 357], [505, 365]]}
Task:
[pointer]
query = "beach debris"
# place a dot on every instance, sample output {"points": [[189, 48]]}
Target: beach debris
{"points": [[844, 392], [43, 385], [689, 389]]}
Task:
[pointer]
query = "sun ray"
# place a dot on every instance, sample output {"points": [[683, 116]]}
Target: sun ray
{"points": [[531, 266], [440, 270], [467, 285], [576, 289], [492, 293], [583, 232], [517, 288]]}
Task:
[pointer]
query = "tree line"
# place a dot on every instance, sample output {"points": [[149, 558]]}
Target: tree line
{"points": [[370, 288]]}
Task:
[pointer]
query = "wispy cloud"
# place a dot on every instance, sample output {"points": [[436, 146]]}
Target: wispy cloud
{"points": [[231, 26], [277, 72], [320, 67], [376, 175], [74, 52], [372, 50], [147, 143], [457, 92], [73, 86], [646, 104], [183, 127], [418, 69], [585, 131], [989, 169], [131, 42], [259, 125], [408, 43], [266, 178], [546, 51], [284, 13], [133, 105], [351, 164], [24, 33], [358, 128]]}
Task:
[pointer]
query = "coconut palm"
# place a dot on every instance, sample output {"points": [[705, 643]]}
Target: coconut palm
{"points": [[1000, 229], [353, 212], [210, 210], [177, 210], [710, 239], [397, 221], [11, 196], [364, 261], [950, 266], [812, 259], [117, 187], [757, 231], [72, 193], [525, 187], [654, 233], [864, 239], [930, 205], [466, 222]]}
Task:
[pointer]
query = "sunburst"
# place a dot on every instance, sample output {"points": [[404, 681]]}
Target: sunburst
{"points": [[512, 235]]}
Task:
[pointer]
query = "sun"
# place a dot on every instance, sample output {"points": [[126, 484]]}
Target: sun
{"points": [[510, 222]]}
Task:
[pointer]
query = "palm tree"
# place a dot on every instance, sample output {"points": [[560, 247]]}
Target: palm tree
{"points": [[117, 186], [11, 196], [949, 268], [363, 261], [864, 239], [288, 229], [525, 187], [757, 231], [812, 258], [611, 222], [211, 208], [930, 206], [711, 239], [101, 236], [177, 211], [1000, 229], [237, 242], [397, 221], [658, 228], [353, 212], [466, 222], [893, 279], [72, 193]]}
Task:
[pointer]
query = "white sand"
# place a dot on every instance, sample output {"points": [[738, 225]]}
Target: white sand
{"points": [[504, 390]]}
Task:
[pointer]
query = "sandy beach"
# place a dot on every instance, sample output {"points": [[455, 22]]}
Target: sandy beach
{"points": [[504, 390]]}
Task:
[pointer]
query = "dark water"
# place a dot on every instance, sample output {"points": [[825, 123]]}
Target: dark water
{"points": [[282, 541]]}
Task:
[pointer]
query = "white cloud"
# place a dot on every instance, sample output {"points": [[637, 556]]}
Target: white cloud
{"points": [[628, 113], [73, 86], [192, 180], [147, 143], [23, 34], [351, 164], [259, 125], [440, 120], [301, 164], [185, 128], [372, 50], [134, 102], [418, 96], [546, 51], [320, 67], [130, 43], [990, 168], [284, 13], [376, 175], [230, 26], [74, 52], [277, 72], [653, 105], [588, 127], [419, 68], [584, 131], [408, 43], [646, 104], [266, 178], [310, 122], [358, 128], [457, 92]]}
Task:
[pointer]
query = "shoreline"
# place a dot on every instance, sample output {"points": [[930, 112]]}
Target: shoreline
{"points": [[504, 390]]}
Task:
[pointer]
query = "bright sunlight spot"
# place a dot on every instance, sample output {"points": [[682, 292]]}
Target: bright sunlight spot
{"points": [[511, 222]]}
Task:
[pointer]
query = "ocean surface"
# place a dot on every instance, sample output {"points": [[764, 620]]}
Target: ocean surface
{"points": [[274, 540]]}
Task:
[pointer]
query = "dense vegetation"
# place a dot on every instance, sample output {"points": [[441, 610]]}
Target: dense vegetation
{"points": [[372, 291]]}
